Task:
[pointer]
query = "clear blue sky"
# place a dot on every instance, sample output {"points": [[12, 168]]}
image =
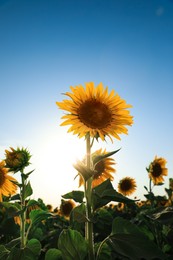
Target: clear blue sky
{"points": [[46, 46]]}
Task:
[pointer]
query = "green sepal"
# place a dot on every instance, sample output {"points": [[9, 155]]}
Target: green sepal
{"points": [[98, 158], [83, 170]]}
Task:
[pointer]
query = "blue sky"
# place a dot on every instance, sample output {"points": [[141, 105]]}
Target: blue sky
{"points": [[47, 46]]}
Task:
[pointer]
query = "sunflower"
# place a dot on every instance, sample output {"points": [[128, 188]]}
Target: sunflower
{"points": [[157, 170], [103, 169], [93, 110], [66, 207], [17, 160], [7, 185], [127, 186]]}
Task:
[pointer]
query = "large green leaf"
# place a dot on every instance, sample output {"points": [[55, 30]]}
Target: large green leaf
{"points": [[75, 195], [53, 254], [72, 245], [21, 254], [127, 240]]}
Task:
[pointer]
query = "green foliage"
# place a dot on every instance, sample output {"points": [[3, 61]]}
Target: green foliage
{"points": [[98, 158], [38, 215], [128, 241], [53, 254], [77, 196], [105, 193], [72, 245], [28, 190]]}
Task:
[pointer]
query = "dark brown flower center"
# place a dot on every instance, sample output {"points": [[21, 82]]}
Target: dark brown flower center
{"points": [[126, 185], [157, 170], [94, 114], [99, 168]]}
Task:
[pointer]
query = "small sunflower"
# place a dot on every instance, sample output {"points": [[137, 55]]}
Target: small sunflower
{"points": [[157, 170], [17, 160], [93, 110], [7, 185], [103, 169], [66, 207], [127, 186]]}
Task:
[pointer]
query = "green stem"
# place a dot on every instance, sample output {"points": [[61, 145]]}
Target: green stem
{"points": [[89, 210], [23, 213]]}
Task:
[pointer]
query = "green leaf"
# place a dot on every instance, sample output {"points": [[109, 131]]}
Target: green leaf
{"points": [[134, 246], [78, 214], [169, 192], [98, 158], [28, 190], [75, 195], [35, 246], [38, 215], [72, 245], [12, 209], [53, 254], [127, 240], [105, 193], [164, 215], [15, 197], [104, 252], [32, 203], [3, 252], [21, 254]]}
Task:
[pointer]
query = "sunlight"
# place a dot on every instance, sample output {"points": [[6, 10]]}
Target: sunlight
{"points": [[54, 166]]}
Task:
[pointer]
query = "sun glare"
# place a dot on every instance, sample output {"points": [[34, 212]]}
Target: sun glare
{"points": [[54, 167]]}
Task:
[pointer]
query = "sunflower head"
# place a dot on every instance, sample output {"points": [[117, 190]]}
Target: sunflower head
{"points": [[93, 110], [17, 160], [103, 169], [157, 169], [7, 182], [127, 186], [66, 207]]}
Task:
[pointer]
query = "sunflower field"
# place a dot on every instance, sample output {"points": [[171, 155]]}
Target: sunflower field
{"points": [[99, 222]]}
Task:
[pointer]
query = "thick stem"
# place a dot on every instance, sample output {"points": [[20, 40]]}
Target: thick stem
{"points": [[89, 210], [23, 214]]}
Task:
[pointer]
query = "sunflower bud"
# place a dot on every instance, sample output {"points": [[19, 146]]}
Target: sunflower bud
{"points": [[17, 160]]}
